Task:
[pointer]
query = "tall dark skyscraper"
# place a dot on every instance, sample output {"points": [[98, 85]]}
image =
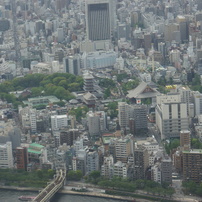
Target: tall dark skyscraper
{"points": [[98, 20]]}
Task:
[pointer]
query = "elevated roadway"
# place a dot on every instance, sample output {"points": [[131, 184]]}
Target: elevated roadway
{"points": [[49, 191]]}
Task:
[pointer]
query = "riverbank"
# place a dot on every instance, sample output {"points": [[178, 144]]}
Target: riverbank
{"points": [[91, 194], [100, 195], [20, 188]]}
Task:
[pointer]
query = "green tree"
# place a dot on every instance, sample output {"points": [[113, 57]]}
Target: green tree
{"points": [[107, 83], [112, 109], [79, 112], [196, 144], [107, 93], [36, 91], [74, 175], [94, 174], [121, 77], [60, 103], [74, 87], [173, 144]]}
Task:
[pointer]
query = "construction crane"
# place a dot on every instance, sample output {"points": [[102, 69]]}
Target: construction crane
{"points": [[19, 68]]}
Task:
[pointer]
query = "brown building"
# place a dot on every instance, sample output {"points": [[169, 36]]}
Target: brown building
{"points": [[192, 165], [69, 136], [141, 162], [185, 140], [21, 158], [178, 161], [123, 148]]}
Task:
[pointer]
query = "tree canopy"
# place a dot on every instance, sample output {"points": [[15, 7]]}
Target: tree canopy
{"points": [[59, 84], [74, 175], [173, 144]]}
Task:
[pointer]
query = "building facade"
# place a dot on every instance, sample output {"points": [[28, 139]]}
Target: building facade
{"points": [[6, 155], [98, 23], [171, 115]]}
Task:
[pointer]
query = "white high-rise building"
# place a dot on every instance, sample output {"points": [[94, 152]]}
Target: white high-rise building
{"points": [[107, 169], [60, 34], [98, 19], [32, 117], [78, 145], [185, 94], [6, 156], [92, 161], [103, 120], [156, 173], [171, 115], [99, 59], [72, 65], [197, 103], [123, 114], [59, 122]]}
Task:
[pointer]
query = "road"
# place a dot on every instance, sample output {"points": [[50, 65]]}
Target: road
{"points": [[179, 195], [154, 132]]}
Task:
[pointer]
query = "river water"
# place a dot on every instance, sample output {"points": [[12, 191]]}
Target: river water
{"points": [[12, 196]]}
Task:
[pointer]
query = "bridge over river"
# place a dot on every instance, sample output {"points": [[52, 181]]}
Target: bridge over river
{"points": [[49, 191]]}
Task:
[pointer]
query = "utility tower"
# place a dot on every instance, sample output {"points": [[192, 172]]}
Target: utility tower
{"points": [[19, 68]]}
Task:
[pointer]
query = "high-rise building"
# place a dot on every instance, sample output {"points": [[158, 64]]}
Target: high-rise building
{"points": [[98, 20], [141, 162], [166, 170], [185, 94], [192, 161], [33, 120], [124, 147], [69, 136], [156, 173], [107, 169], [197, 103], [123, 114], [93, 123], [120, 169], [21, 158], [59, 122], [185, 140], [6, 156], [171, 115], [72, 64], [92, 162], [140, 116]]}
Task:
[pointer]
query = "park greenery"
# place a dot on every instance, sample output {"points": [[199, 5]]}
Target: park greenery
{"points": [[21, 178], [59, 84], [121, 184], [191, 187]]}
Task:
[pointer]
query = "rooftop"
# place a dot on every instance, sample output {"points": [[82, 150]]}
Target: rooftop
{"points": [[34, 151], [36, 145], [143, 90], [193, 151]]}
